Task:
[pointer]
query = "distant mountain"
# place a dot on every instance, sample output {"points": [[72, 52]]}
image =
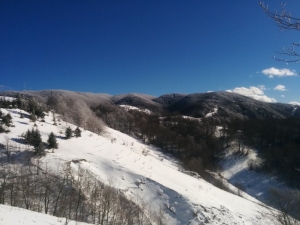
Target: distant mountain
{"points": [[168, 99], [138, 100], [228, 105], [88, 98], [143, 174], [223, 104]]}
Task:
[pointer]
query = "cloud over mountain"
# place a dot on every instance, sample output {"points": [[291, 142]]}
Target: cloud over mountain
{"points": [[295, 103], [253, 92]]}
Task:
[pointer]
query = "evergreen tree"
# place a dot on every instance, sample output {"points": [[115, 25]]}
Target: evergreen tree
{"points": [[33, 137], [77, 132], [35, 109], [7, 119], [40, 149], [28, 136], [36, 138], [68, 132], [52, 143]]}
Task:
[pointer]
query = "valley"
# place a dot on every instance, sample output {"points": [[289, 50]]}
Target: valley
{"points": [[150, 177]]}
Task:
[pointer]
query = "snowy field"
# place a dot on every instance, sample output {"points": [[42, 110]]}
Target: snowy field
{"points": [[235, 169], [140, 172], [17, 216], [129, 107]]}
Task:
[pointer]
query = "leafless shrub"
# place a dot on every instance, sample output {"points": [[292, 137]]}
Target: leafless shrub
{"points": [[288, 203], [94, 124], [75, 195], [240, 188], [78, 113], [145, 152]]}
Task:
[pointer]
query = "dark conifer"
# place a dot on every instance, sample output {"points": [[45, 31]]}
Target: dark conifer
{"points": [[28, 136], [36, 138], [7, 119], [52, 143], [68, 132], [33, 137], [77, 132], [40, 149]]}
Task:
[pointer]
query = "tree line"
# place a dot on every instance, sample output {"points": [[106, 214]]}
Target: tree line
{"points": [[33, 138], [75, 194], [277, 140], [30, 105], [192, 141], [74, 111], [195, 144]]}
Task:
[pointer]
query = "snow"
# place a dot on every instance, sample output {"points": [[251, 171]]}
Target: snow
{"points": [[215, 110], [16, 216], [191, 118], [143, 173], [5, 98], [212, 113], [235, 169], [129, 107]]}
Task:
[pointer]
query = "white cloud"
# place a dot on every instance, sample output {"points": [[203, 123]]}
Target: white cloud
{"points": [[282, 96], [295, 103], [280, 87], [262, 87], [209, 91], [274, 72], [253, 92]]}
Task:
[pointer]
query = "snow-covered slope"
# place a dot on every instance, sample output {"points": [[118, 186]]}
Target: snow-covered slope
{"points": [[129, 107], [143, 172], [235, 169], [17, 216]]}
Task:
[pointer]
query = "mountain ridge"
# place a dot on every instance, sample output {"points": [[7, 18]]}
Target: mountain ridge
{"points": [[196, 104], [141, 172]]}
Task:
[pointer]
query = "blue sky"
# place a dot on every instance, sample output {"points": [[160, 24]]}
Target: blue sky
{"points": [[153, 47]]}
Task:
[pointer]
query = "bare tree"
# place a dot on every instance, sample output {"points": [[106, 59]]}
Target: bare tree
{"points": [[286, 21], [7, 147], [75, 195], [288, 203]]}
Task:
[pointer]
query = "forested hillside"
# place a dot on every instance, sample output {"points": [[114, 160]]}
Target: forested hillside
{"points": [[197, 143]]}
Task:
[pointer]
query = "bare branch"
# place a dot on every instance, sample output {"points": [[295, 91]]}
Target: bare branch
{"points": [[286, 21], [284, 18]]}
